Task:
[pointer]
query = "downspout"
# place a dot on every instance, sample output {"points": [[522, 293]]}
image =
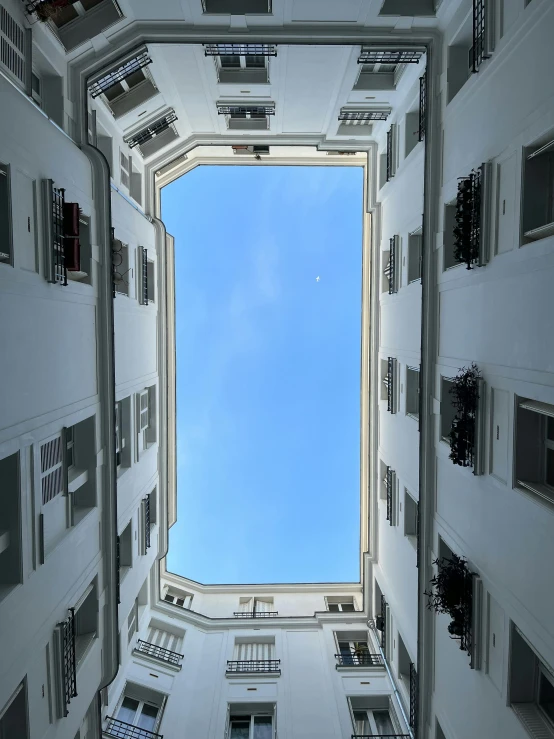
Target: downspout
{"points": [[431, 194]]}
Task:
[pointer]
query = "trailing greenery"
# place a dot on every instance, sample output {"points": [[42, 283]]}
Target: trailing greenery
{"points": [[467, 231], [465, 399], [452, 593]]}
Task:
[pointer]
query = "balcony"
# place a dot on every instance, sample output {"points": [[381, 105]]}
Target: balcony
{"points": [[263, 666], [122, 730], [66, 662], [255, 614], [159, 653], [359, 658]]}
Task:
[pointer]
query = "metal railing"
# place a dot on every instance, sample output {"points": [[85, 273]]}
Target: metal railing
{"points": [[255, 614], [123, 730], [69, 668], [388, 381], [240, 50], [164, 655], [389, 152], [363, 116], [393, 56], [122, 72], [388, 482], [147, 522], [381, 736], [479, 51], [254, 665], [413, 698], [59, 270], [359, 659], [118, 569], [384, 606], [155, 129], [256, 110], [467, 231], [390, 269], [422, 106]]}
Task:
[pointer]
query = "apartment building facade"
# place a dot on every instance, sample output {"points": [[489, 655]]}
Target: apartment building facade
{"points": [[449, 108]]}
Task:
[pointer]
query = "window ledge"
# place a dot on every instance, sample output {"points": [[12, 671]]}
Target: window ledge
{"points": [[76, 479], [539, 490], [542, 232], [533, 720]]}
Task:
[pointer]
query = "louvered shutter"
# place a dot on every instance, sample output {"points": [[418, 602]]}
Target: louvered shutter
{"points": [[51, 468], [12, 46]]}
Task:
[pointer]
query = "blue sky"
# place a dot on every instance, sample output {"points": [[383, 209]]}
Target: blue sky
{"points": [[268, 372]]}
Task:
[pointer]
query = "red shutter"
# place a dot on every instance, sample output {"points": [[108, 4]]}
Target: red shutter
{"points": [[72, 252], [71, 220]]}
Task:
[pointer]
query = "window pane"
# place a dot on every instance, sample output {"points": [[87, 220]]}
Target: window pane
{"points": [[112, 92], [135, 78], [230, 62], [257, 62], [383, 723], [550, 428], [64, 14], [262, 727], [347, 606], [362, 723], [127, 710], [550, 467], [240, 729], [147, 719], [546, 696], [333, 606]]}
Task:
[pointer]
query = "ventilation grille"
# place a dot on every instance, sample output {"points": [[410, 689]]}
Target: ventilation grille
{"points": [[51, 464], [12, 45], [151, 131]]}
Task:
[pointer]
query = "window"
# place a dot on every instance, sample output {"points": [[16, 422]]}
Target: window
{"points": [[145, 418], [121, 268], [123, 434], [391, 268], [354, 650], [390, 486], [414, 256], [126, 550], [531, 687], [78, 21], [411, 131], [412, 392], [392, 151], [178, 598], [538, 190], [411, 526], [36, 88], [374, 716], [404, 662], [10, 527], [86, 622], [151, 281], [255, 655], [155, 136], [139, 707], [340, 603], [534, 453], [247, 117], [237, 7], [6, 245], [449, 259], [448, 411], [125, 169], [255, 607], [242, 68], [14, 721], [408, 7], [389, 369], [130, 91], [251, 721], [147, 277]]}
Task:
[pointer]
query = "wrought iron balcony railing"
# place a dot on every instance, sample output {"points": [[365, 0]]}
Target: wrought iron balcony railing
{"points": [[381, 736], [151, 131], [122, 730], [389, 483], [480, 49], [389, 382], [383, 624], [68, 661], [254, 665], [255, 614], [147, 522], [390, 269], [413, 697], [116, 75], [467, 231], [389, 56], [159, 653], [465, 399], [363, 117], [422, 106], [240, 50], [390, 153], [359, 658]]}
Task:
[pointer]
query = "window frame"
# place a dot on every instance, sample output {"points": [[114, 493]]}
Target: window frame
{"points": [[544, 411], [413, 394], [7, 258]]}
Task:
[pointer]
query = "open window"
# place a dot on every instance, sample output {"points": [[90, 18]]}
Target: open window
{"points": [[77, 21], [534, 448], [11, 563], [253, 655], [374, 716], [125, 550], [538, 189], [247, 117], [164, 644], [6, 243], [354, 649], [155, 136], [531, 687], [411, 131], [14, 719], [414, 256], [411, 518], [137, 714], [242, 63], [123, 447], [130, 91], [86, 622], [237, 7], [404, 662], [251, 721], [412, 392], [178, 597], [340, 603]]}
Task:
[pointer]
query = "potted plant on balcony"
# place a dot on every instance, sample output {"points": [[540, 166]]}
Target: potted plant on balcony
{"points": [[452, 593], [465, 398]]}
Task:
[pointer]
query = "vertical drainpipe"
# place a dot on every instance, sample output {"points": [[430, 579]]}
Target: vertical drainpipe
{"points": [[106, 389], [431, 194]]}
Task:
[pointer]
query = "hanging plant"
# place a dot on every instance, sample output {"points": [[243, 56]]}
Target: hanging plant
{"points": [[452, 593], [467, 231], [49, 9], [465, 399]]}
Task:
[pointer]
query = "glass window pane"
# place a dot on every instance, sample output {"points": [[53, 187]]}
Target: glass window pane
{"points": [[550, 428], [333, 606], [550, 467], [262, 727], [230, 62], [127, 710], [135, 78], [362, 723], [240, 729], [147, 719], [546, 696], [383, 723], [347, 606], [257, 62]]}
